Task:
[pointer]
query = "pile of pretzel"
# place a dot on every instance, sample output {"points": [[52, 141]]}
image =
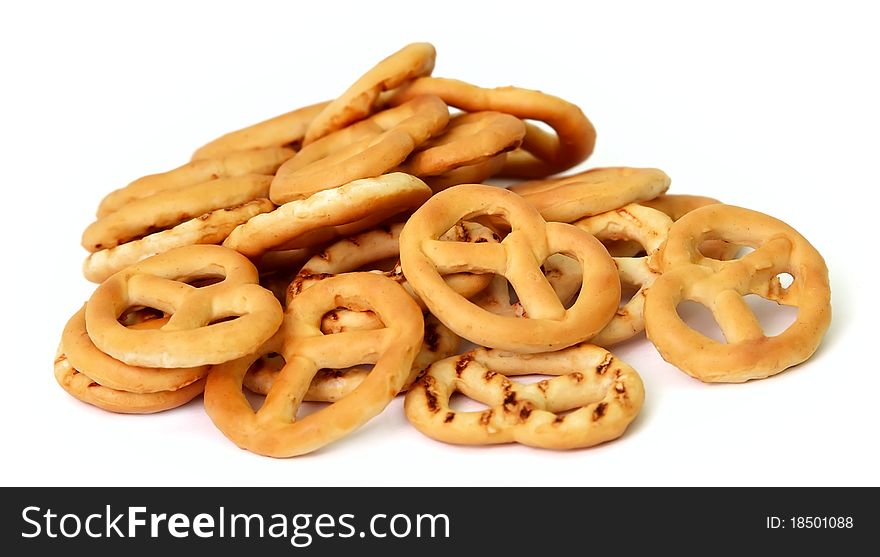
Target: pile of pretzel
{"points": [[344, 252]]}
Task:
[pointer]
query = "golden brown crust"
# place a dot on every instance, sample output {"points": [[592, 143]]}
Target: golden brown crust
{"points": [[603, 394], [720, 285]]}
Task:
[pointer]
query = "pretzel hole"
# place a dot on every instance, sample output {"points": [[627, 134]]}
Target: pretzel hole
{"points": [[459, 402], [627, 291], [774, 318], [785, 279], [383, 265], [202, 281], [721, 250], [224, 319], [624, 248], [139, 314], [700, 318]]}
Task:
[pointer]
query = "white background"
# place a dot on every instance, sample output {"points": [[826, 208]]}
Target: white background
{"points": [[768, 105]]}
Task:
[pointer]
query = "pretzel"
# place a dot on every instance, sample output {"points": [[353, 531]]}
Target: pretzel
{"points": [[548, 325], [470, 138], [255, 161], [471, 174], [328, 214], [330, 385], [274, 430], [370, 248], [677, 206], [649, 228], [369, 148], [721, 285], [542, 153], [210, 228], [171, 207], [358, 101], [603, 394], [116, 375], [285, 130], [198, 331], [592, 192]]}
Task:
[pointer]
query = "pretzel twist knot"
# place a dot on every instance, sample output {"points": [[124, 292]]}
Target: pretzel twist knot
{"points": [[274, 430], [602, 393], [720, 286], [546, 324], [198, 331]]}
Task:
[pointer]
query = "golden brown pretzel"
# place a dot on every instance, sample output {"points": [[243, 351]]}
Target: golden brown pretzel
{"points": [[108, 372], [369, 148], [649, 228], [329, 214], [254, 161], [210, 228], [285, 130], [169, 208], [548, 325], [358, 101], [595, 191], [542, 153], [471, 138], [274, 430], [721, 285], [198, 331], [603, 394]]}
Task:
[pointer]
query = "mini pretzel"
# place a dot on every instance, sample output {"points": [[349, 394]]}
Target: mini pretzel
{"points": [[548, 325], [470, 138], [367, 249], [171, 207], [649, 228], [330, 385], [471, 174], [369, 148], [198, 331], [210, 228], [721, 285], [603, 394], [358, 101], [285, 130], [255, 161], [592, 192], [111, 373], [328, 214], [677, 206], [81, 387], [542, 153], [274, 430]]}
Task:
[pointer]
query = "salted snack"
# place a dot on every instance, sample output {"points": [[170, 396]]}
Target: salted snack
{"points": [[471, 174], [274, 429], [546, 324], [677, 205], [211, 228], [471, 138], [366, 149], [542, 153], [360, 100], [721, 285], [595, 191], [649, 228], [285, 130], [264, 161], [590, 398], [95, 378], [208, 324], [85, 357], [329, 214]]}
